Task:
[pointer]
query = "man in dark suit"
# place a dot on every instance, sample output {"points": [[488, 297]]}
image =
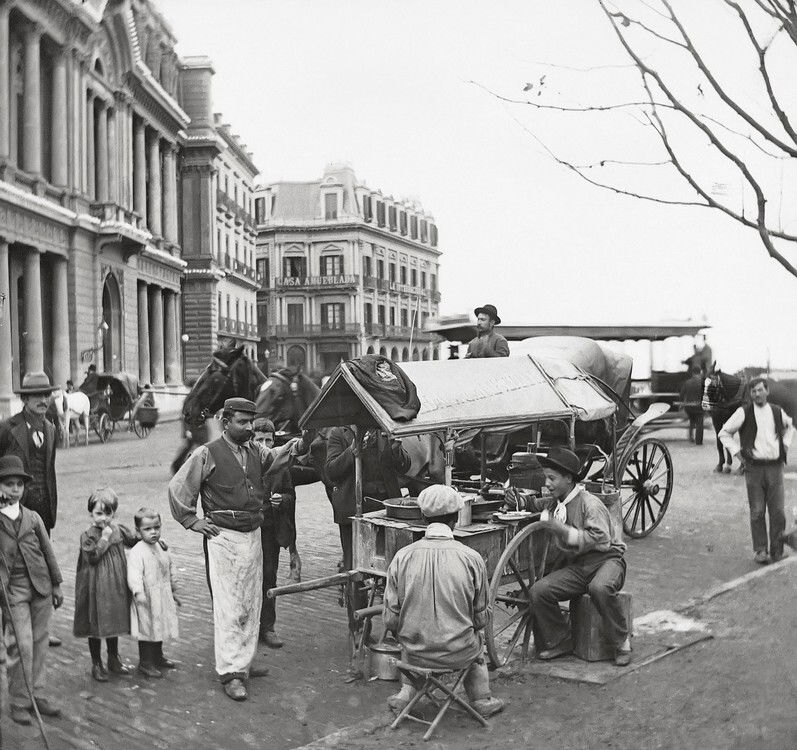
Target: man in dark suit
{"points": [[31, 436]]}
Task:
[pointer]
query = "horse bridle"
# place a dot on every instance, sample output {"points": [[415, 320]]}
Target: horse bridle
{"points": [[205, 412], [293, 386]]}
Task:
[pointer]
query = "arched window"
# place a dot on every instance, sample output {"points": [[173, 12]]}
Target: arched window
{"points": [[394, 355]]}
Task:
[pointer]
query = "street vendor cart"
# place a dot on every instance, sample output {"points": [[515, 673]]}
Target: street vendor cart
{"points": [[461, 399]]}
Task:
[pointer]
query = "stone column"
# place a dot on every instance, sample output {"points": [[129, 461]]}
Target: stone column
{"points": [[5, 102], [140, 171], [101, 151], [60, 322], [156, 335], [34, 342], [6, 367], [170, 194], [154, 207], [171, 341], [113, 155], [144, 374], [91, 182], [58, 126], [32, 141]]}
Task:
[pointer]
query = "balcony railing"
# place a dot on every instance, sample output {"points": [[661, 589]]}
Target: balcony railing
{"points": [[385, 331], [232, 209], [350, 281], [237, 327], [308, 330]]}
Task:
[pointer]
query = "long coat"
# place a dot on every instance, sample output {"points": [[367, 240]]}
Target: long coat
{"points": [[14, 442], [378, 469]]}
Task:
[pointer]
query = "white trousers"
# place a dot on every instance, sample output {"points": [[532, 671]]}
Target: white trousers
{"points": [[235, 563]]}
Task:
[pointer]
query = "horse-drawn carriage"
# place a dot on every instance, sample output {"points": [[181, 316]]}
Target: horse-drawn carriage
{"points": [[114, 400], [534, 399]]}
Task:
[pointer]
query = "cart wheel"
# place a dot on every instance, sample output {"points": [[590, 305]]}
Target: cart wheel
{"points": [[104, 427], [645, 486], [141, 430], [519, 567]]}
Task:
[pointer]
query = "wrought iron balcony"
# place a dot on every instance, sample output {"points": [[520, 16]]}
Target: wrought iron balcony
{"points": [[315, 330]]}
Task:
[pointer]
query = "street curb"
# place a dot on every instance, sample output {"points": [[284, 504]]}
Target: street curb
{"points": [[354, 731], [735, 583], [369, 726]]}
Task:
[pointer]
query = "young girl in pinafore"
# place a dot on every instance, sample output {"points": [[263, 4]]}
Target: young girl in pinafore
{"points": [[102, 599]]}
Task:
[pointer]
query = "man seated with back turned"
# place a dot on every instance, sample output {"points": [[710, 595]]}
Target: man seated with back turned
{"points": [[436, 602], [591, 563]]}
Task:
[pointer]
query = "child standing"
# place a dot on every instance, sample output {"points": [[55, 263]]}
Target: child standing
{"points": [[30, 576], [102, 601], [151, 577]]}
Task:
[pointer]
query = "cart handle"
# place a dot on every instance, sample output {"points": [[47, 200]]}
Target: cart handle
{"points": [[316, 583]]}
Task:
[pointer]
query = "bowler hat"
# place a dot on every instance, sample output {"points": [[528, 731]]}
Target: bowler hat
{"points": [[35, 382], [240, 404], [563, 460], [488, 310], [11, 466]]}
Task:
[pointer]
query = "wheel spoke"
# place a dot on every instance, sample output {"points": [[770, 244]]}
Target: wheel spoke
{"points": [[509, 623], [651, 459], [520, 628], [650, 511], [506, 598], [519, 578], [653, 469]]}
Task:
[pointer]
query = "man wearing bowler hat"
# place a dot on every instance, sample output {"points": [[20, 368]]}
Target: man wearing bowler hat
{"points": [[487, 343], [591, 561], [227, 474]]}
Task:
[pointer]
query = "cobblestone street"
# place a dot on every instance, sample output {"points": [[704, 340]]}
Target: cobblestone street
{"points": [[703, 541]]}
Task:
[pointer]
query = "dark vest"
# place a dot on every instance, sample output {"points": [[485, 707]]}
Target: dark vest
{"points": [[232, 498], [37, 463], [749, 430]]}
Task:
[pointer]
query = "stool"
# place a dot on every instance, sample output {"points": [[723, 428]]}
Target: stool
{"points": [[586, 627], [426, 681]]}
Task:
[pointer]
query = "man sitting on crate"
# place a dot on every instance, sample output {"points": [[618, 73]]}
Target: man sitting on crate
{"points": [[591, 562], [436, 602]]}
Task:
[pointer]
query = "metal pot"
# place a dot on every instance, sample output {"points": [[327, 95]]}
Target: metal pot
{"points": [[382, 660]]}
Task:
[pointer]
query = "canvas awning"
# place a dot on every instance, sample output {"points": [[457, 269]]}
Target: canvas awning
{"points": [[503, 393]]}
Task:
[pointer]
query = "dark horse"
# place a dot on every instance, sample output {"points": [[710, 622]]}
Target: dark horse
{"points": [[724, 393], [230, 373]]}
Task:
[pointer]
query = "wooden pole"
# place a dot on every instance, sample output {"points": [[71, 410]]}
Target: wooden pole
{"points": [[316, 583], [483, 469], [358, 472]]}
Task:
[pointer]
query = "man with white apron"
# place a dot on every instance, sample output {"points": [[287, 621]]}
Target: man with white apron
{"points": [[227, 474]]}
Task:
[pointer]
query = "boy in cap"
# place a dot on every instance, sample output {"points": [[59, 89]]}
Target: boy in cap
{"points": [[227, 474], [436, 602], [592, 560]]}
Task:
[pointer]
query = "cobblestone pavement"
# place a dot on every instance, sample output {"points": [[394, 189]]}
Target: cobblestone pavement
{"points": [[704, 540]]}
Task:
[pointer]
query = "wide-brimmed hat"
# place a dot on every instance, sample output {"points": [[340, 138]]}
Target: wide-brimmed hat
{"points": [[35, 382], [488, 310], [562, 459], [12, 466]]}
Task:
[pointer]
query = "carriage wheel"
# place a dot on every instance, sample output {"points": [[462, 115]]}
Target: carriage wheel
{"points": [[141, 430], [104, 427], [522, 563], [645, 487]]}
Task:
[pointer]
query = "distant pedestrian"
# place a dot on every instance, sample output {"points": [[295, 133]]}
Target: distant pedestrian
{"points": [[32, 580], [765, 434], [152, 579], [102, 599], [691, 397], [487, 343]]}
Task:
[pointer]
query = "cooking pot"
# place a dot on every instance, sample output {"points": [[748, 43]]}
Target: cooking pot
{"points": [[394, 508], [382, 660]]}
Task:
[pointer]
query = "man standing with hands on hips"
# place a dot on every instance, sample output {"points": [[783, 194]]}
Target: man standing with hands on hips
{"points": [[227, 474], [765, 433]]}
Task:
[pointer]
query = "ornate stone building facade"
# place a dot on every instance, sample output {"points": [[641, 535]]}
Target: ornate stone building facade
{"points": [[346, 271], [219, 290], [90, 257]]}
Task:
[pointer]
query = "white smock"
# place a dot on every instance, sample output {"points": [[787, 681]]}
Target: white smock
{"points": [[151, 571]]}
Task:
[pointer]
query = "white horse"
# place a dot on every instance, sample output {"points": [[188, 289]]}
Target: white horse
{"points": [[72, 407]]}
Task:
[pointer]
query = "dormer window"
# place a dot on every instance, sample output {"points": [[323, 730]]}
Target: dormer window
{"points": [[414, 227], [330, 206], [403, 222], [380, 213], [367, 214], [391, 212]]}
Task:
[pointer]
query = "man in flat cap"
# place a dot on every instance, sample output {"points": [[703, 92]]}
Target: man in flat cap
{"points": [[227, 474], [436, 602], [592, 560], [487, 343]]}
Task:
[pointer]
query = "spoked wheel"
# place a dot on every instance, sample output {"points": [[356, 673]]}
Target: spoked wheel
{"points": [[645, 487], [522, 564], [104, 428], [141, 430]]}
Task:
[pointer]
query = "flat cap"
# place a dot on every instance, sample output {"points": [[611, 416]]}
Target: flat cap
{"points": [[240, 404], [439, 500]]}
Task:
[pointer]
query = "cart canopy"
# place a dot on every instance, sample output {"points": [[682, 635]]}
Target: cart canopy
{"points": [[124, 391], [503, 393]]}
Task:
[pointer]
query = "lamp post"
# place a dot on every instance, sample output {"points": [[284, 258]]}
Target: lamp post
{"points": [[185, 338]]}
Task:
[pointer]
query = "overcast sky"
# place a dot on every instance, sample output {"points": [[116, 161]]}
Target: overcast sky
{"points": [[386, 86]]}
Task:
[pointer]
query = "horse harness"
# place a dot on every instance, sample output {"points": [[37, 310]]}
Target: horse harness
{"points": [[293, 386]]}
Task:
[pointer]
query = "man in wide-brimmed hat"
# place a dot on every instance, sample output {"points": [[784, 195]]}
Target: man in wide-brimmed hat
{"points": [[31, 437], [592, 560], [487, 343]]}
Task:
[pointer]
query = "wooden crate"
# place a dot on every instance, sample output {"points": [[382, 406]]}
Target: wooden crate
{"points": [[585, 624]]}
